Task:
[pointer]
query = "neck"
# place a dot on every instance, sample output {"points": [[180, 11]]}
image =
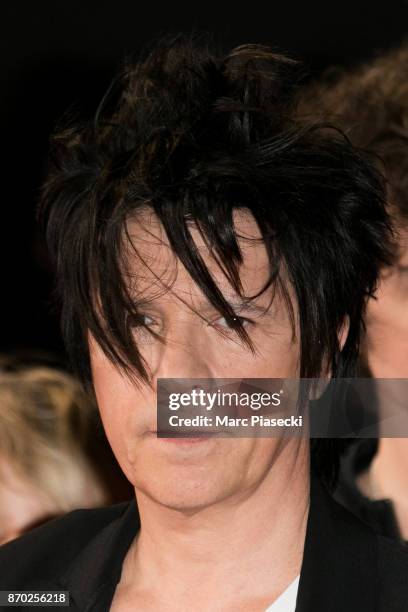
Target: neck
{"points": [[388, 475], [252, 542]]}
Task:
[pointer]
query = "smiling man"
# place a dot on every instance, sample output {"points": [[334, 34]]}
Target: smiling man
{"points": [[201, 230]]}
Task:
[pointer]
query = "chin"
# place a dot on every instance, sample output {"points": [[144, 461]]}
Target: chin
{"points": [[184, 492], [187, 502]]}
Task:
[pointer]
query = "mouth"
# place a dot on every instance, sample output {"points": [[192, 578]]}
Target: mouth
{"points": [[190, 437]]}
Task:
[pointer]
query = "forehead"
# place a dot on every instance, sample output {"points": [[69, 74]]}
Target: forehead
{"points": [[152, 264]]}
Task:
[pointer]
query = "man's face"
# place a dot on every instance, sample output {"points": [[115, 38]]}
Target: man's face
{"points": [[387, 320], [180, 473]]}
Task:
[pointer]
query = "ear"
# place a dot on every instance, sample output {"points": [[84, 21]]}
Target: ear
{"points": [[342, 335], [343, 332]]}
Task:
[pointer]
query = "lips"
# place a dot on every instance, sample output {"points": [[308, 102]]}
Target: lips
{"points": [[188, 433]]}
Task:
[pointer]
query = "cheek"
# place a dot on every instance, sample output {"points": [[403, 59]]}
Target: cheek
{"points": [[276, 355], [387, 331], [126, 411]]}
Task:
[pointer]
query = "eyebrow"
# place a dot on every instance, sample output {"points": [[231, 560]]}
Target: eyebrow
{"points": [[236, 303], [245, 305]]}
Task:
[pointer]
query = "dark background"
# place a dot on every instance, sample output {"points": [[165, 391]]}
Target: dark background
{"points": [[62, 55]]}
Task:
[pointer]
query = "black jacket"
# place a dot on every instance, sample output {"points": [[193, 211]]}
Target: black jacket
{"points": [[346, 566]]}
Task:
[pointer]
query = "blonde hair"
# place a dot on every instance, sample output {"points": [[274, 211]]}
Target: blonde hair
{"points": [[46, 422]]}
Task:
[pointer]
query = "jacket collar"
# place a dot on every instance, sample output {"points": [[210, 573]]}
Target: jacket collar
{"points": [[339, 569], [92, 577]]}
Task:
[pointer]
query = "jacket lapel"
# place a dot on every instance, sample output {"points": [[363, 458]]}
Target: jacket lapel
{"points": [[95, 572]]}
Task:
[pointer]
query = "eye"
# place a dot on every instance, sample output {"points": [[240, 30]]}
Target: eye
{"points": [[140, 326], [147, 320], [225, 326], [140, 320]]}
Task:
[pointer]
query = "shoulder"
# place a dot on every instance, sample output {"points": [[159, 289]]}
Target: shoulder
{"points": [[49, 549], [346, 565], [393, 573]]}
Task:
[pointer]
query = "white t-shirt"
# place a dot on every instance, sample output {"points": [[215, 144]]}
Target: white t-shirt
{"points": [[287, 601]]}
